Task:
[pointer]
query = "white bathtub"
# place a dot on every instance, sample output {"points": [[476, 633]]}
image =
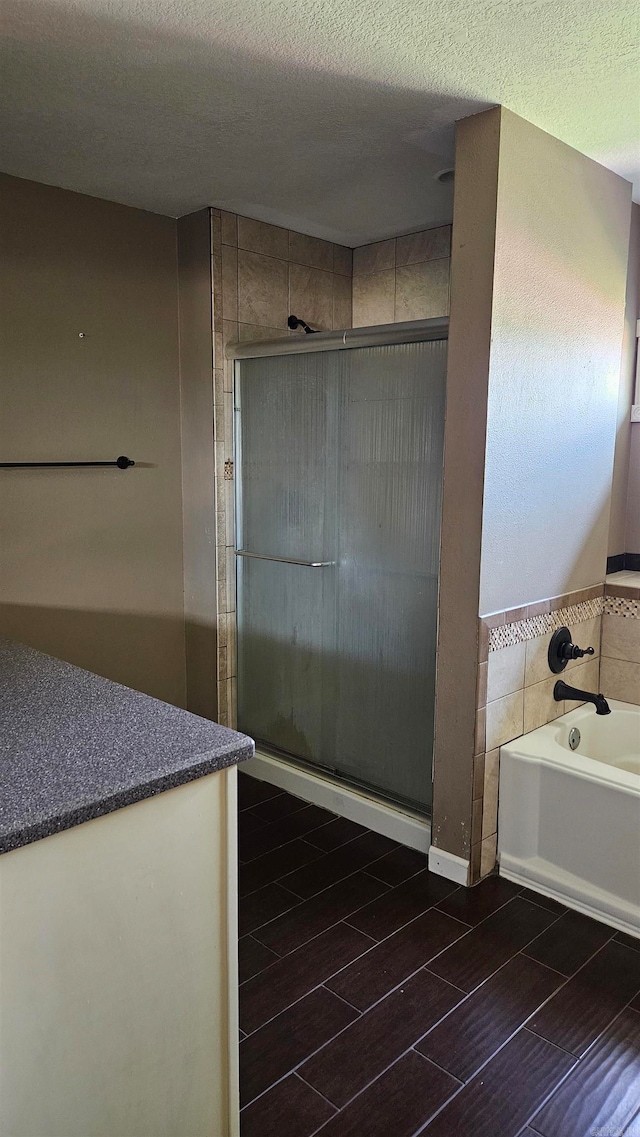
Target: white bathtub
{"points": [[569, 821]]}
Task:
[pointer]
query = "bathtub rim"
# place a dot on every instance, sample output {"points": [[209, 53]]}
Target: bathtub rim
{"points": [[540, 746]]}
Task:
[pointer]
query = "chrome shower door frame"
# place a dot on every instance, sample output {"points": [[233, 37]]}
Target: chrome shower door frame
{"points": [[381, 336]]}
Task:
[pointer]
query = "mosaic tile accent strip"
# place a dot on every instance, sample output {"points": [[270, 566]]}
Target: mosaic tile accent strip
{"points": [[622, 606], [520, 630]]}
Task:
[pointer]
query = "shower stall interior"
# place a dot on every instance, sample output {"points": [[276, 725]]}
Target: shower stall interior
{"points": [[339, 449]]}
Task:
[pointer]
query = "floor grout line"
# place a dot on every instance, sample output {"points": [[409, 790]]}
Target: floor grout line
{"points": [[306, 944], [344, 919], [298, 837], [465, 996], [324, 1097]]}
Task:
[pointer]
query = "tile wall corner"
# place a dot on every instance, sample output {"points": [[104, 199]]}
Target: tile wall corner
{"points": [[260, 273]]}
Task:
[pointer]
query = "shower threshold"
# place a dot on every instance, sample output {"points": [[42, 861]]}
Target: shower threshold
{"points": [[398, 822]]}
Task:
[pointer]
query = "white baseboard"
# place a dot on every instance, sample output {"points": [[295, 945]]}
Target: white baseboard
{"points": [[448, 865], [391, 821], [543, 877]]}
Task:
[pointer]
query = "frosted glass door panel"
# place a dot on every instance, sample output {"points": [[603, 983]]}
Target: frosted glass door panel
{"points": [[340, 460], [392, 429], [286, 508]]}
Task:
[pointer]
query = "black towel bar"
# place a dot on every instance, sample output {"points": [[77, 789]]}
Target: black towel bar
{"points": [[122, 463]]}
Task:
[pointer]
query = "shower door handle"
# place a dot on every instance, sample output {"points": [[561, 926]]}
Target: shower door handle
{"points": [[284, 560]]}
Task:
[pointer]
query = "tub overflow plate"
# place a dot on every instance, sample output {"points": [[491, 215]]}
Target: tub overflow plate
{"points": [[574, 738]]}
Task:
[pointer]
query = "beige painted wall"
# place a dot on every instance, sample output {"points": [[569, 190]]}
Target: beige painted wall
{"points": [[562, 239], [91, 560], [538, 277], [624, 521], [472, 257]]}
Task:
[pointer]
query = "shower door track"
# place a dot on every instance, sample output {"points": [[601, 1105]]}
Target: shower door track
{"points": [[382, 335]]}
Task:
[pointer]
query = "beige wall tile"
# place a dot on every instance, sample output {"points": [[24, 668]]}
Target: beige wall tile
{"points": [[483, 642], [536, 666], [227, 425], [254, 333], [540, 706], [505, 718], [232, 661], [422, 290], [374, 258], [481, 685], [342, 260], [258, 237], [229, 228], [229, 283], [490, 794], [481, 730], [218, 389], [305, 250], [373, 299], [474, 865], [341, 301], [221, 582], [478, 775], [430, 244], [216, 277], [586, 676], [311, 296], [222, 702], [505, 671], [585, 634], [263, 290], [231, 584], [222, 624], [620, 679], [219, 455], [230, 513], [488, 855], [218, 347], [476, 820], [621, 638], [232, 703], [216, 229], [229, 335]]}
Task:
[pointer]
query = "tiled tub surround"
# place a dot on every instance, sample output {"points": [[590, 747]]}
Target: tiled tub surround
{"points": [[515, 693], [620, 651], [515, 686], [404, 278], [261, 273]]}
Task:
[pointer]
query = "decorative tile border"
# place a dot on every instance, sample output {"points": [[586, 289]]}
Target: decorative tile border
{"points": [[622, 606], [506, 635]]}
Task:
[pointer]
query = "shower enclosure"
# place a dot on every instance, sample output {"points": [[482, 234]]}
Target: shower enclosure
{"points": [[339, 440]]}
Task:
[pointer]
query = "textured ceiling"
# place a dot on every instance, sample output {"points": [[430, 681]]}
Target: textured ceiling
{"points": [[330, 116]]}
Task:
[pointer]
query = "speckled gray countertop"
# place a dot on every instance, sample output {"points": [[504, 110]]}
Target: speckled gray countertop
{"points": [[74, 746]]}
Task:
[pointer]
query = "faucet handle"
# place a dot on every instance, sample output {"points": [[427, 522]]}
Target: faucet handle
{"points": [[573, 652], [562, 649]]}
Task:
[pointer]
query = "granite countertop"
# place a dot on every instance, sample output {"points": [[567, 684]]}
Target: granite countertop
{"points": [[74, 746]]}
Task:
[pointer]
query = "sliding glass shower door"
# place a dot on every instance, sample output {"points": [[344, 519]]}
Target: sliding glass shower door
{"points": [[339, 475]]}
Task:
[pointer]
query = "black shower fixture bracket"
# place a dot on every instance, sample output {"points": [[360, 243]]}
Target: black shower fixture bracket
{"points": [[295, 322]]}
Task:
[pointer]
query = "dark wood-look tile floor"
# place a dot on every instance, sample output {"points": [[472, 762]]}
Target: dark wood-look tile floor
{"points": [[377, 999]]}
